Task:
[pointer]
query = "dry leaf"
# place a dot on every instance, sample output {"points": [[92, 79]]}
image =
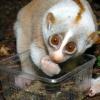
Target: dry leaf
{"points": [[4, 51]]}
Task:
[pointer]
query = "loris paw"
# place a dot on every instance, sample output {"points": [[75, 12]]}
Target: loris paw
{"points": [[49, 67], [91, 92], [22, 81]]}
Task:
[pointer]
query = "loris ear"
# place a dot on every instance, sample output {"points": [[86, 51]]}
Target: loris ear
{"points": [[98, 38], [94, 38], [50, 19]]}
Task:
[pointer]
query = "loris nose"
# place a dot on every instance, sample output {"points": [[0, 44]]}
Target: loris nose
{"points": [[57, 58]]}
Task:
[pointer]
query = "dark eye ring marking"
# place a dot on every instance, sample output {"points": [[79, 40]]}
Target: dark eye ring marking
{"points": [[70, 47], [54, 40]]}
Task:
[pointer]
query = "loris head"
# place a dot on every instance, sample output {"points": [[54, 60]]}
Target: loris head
{"points": [[69, 29]]}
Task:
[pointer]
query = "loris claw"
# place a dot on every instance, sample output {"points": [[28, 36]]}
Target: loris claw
{"points": [[49, 67]]}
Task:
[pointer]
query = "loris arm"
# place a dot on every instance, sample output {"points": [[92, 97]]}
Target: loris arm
{"points": [[43, 61]]}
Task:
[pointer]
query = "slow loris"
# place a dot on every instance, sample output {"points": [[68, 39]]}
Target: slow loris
{"points": [[54, 31]]}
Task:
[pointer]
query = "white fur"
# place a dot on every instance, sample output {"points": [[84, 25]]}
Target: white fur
{"points": [[64, 13], [68, 35], [17, 29], [37, 54]]}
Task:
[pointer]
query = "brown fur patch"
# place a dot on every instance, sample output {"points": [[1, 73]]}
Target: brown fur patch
{"points": [[95, 37], [78, 17], [50, 18], [98, 40]]}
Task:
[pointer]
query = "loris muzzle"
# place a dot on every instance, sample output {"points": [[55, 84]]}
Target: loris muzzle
{"points": [[54, 31]]}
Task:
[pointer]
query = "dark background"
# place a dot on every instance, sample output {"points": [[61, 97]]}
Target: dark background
{"points": [[8, 12]]}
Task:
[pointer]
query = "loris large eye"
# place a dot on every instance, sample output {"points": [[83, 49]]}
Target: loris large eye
{"points": [[70, 48], [55, 40]]}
